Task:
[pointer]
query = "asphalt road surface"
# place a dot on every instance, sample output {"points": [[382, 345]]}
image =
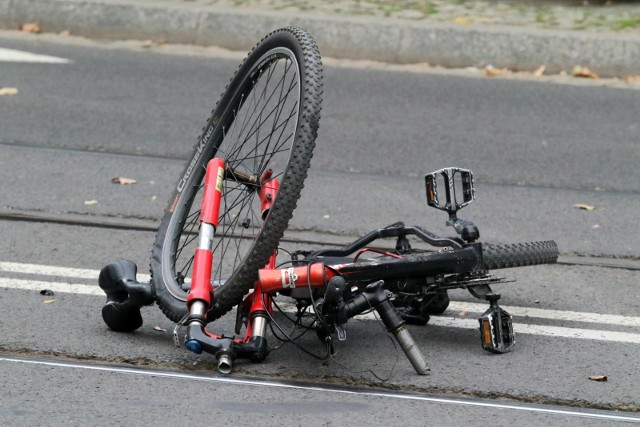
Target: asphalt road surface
{"points": [[89, 112]]}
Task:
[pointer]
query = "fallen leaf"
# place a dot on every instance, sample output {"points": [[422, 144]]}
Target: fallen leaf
{"points": [[540, 71], [47, 292], [632, 79], [31, 27], [584, 207], [579, 71], [147, 43], [598, 378], [159, 329], [8, 91], [462, 20], [122, 180], [91, 202], [48, 301], [492, 72], [64, 33], [463, 313]]}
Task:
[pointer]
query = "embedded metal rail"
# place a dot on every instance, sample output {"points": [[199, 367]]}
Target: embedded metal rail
{"points": [[151, 225]]}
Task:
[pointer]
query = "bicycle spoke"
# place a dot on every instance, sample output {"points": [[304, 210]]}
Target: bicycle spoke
{"points": [[277, 118], [256, 126]]}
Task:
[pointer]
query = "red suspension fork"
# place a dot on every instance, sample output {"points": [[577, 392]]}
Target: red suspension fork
{"points": [[267, 192], [260, 309], [197, 339], [201, 294]]}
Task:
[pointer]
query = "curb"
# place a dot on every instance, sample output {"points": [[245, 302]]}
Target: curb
{"points": [[386, 40]]}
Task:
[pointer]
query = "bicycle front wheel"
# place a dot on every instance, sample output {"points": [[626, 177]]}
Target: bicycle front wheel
{"points": [[267, 119]]}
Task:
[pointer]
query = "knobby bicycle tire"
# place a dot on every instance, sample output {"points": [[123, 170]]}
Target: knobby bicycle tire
{"points": [[455, 261], [288, 50], [519, 254]]}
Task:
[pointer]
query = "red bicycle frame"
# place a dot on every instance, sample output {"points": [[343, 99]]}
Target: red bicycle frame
{"points": [[271, 280]]}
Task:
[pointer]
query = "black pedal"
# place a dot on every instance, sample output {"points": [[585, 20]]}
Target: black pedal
{"points": [[454, 184], [496, 327]]}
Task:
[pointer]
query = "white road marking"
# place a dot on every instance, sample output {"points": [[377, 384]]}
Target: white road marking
{"points": [[546, 330], [64, 288], [50, 270], [575, 316], [451, 318], [617, 416], [12, 55]]}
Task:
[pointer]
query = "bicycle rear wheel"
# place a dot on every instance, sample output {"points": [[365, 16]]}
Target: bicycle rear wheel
{"points": [[266, 119], [519, 254]]}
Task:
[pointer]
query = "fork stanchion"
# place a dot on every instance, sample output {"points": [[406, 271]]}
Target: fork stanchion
{"points": [[201, 293]]}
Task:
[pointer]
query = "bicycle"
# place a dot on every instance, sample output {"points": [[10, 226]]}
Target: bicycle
{"points": [[217, 244]]}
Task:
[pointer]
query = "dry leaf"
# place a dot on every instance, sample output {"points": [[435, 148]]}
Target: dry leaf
{"points": [[462, 20], [122, 180], [632, 79], [492, 72], [91, 202], [598, 378], [579, 71], [584, 207], [540, 71], [147, 43], [31, 27], [64, 33], [463, 313], [48, 301], [159, 329], [8, 91]]}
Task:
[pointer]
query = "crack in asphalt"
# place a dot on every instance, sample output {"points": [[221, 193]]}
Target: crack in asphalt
{"points": [[150, 224]]}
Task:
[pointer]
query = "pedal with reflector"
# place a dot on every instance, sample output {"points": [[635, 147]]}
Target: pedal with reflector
{"points": [[496, 327]]}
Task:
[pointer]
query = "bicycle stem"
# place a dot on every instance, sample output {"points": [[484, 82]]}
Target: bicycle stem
{"points": [[374, 296]]}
